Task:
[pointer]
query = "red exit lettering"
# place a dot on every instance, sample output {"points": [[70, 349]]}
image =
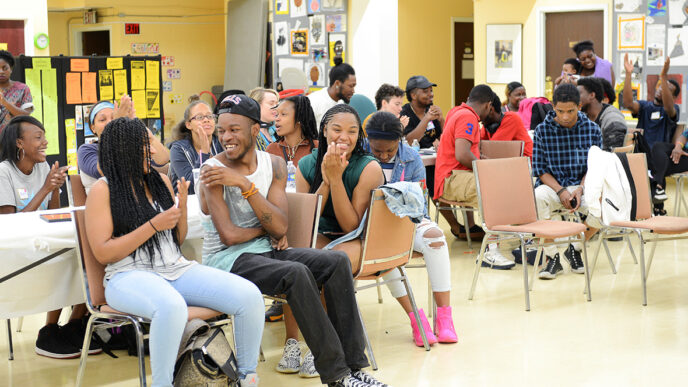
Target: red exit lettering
{"points": [[131, 28]]}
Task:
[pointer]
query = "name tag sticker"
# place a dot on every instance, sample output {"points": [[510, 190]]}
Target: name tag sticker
{"points": [[430, 126], [23, 194], [655, 115]]}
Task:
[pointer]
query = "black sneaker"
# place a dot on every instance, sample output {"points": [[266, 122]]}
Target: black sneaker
{"points": [[74, 332], [574, 257], [51, 343], [275, 312], [531, 255], [553, 268], [659, 195]]}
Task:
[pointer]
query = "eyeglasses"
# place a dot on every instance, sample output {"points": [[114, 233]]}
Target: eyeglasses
{"points": [[200, 117]]}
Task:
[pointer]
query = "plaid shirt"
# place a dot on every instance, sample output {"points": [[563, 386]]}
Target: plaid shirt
{"points": [[563, 152]]}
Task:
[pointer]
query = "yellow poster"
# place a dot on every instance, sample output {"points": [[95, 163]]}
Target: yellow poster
{"points": [[41, 63], [152, 74], [70, 135], [139, 99], [3, 46], [120, 83], [105, 84], [49, 87], [114, 63], [138, 75], [153, 103], [33, 81]]}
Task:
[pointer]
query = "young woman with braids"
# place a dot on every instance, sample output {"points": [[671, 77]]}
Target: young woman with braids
{"points": [[101, 114], [194, 141], [135, 228], [344, 174], [401, 163], [28, 183], [296, 130]]}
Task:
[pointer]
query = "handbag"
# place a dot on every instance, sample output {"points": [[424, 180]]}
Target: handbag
{"points": [[205, 358]]}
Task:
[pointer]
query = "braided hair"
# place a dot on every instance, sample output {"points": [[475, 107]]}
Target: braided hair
{"points": [[303, 114], [124, 146], [322, 140]]}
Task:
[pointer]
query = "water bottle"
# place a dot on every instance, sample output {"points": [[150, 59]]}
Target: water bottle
{"points": [[291, 177], [416, 145]]}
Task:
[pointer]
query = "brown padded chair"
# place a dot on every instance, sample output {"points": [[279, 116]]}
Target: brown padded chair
{"points": [[512, 214], [103, 315], [644, 223], [382, 251], [488, 150]]}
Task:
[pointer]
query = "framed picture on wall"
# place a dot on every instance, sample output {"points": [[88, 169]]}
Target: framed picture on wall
{"points": [[504, 52]]}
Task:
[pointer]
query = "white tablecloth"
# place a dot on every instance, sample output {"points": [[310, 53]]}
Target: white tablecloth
{"points": [[26, 238]]}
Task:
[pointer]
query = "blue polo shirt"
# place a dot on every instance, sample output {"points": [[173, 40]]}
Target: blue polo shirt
{"points": [[658, 127]]}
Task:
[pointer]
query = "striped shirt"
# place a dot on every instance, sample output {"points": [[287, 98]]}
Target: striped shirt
{"points": [[563, 152]]}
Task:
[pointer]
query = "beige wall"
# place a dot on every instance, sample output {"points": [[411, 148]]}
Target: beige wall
{"points": [[197, 43], [35, 15], [525, 12], [425, 42]]}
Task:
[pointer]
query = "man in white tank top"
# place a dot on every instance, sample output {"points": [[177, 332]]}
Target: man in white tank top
{"points": [[243, 190]]}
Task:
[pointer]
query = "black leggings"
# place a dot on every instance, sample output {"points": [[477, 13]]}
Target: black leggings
{"points": [[662, 165]]}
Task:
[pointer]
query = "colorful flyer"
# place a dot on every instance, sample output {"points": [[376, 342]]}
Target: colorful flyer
{"points": [[167, 61], [88, 88], [138, 75], [79, 117], [121, 87], [299, 42], [73, 86], [105, 84], [337, 45], [152, 74], [282, 7], [153, 103], [114, 63], [78, 64], [138, 97], [41, 63], [50, 118], [33, 81]]}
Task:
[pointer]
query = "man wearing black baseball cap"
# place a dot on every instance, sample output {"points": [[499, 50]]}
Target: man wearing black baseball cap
{"points": [[243, 190], [425, 119]]}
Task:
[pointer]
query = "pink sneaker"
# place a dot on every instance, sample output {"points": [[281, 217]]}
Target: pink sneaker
{"points": [[445, 325], [417, 338]]}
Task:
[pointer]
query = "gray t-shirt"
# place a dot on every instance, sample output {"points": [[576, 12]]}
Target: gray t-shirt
{"points": [[18, 189]]}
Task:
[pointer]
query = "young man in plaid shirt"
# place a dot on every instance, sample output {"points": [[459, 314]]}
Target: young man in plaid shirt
{"points": [[560, 159]]}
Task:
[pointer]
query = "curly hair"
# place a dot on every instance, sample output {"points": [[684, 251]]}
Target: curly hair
{"points": [[322, 140], [303, 114], [12, 132], [7, 57], [385, 93], [124, 147]]}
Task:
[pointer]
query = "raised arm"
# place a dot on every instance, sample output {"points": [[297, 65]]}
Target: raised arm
{"points": [[628, 101], [667, 96]]}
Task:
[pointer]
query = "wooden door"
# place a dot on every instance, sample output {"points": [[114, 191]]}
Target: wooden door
{"points": [[12, 33], [564, 29], [463, 61]]}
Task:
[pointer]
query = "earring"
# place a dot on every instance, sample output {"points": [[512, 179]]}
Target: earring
{"points": [[23, 153]]}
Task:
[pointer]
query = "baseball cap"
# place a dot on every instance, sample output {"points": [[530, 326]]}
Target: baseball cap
{"points": [[242, 105], [418, 82]]}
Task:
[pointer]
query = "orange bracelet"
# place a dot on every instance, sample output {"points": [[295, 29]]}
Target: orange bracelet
{"points": [[251, 191]]}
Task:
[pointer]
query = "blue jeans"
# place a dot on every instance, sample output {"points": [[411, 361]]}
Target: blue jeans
{"points": [[165, 303]]}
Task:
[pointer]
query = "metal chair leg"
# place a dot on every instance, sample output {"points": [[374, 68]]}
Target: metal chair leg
{"points": [[84, 351], [524, 257], [643, 280], [603, 233], [649, 260], [609, 256], [141, 353], [630, 248], [261, 355], [431, 299], [467, 228], [9, 339], [20, 323], [379, 291], [404, 278], [538, 261], [478, 264], [369, 347], [585, 266]]}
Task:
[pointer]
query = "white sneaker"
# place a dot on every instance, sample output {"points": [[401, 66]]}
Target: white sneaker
{"points": [[495, 260], [250, 380], [308, 366], [291, 358]]}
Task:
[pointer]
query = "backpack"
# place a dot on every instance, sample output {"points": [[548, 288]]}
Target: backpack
{"points": [[533, 111], [205, 357]]}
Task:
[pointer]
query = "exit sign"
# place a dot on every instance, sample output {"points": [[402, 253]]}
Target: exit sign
{"points": [[131, 28]]}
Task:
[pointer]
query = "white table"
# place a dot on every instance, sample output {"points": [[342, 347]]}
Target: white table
{"points": [[428, 159], [26, 239]]}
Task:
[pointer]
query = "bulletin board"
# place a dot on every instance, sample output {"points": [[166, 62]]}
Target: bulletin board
{"points": [[307, 35], [649, 31], [65, 88]]}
